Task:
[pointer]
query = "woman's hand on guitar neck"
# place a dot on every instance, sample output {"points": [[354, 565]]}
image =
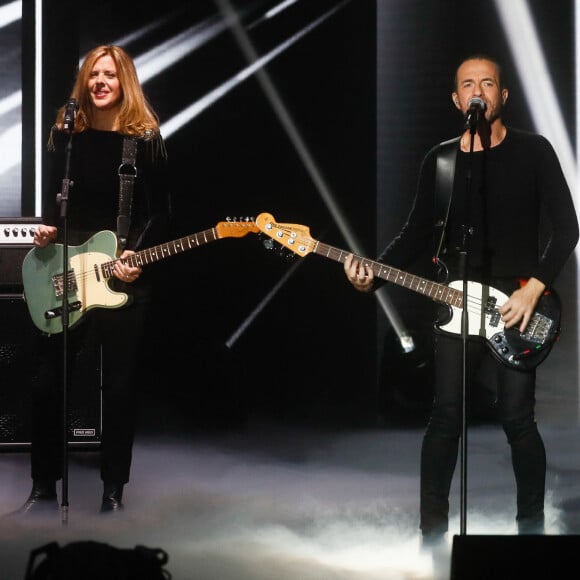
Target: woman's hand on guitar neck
{"points": [[124, 271]]}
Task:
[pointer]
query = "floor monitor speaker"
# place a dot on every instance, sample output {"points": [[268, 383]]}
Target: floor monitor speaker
{"points": [[486, 557]]}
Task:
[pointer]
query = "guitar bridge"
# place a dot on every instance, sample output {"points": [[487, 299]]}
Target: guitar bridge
{"points": [[58, 285], [538, 329]]}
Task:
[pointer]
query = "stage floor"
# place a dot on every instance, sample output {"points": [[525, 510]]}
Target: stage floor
{"points": [[284, 501]]}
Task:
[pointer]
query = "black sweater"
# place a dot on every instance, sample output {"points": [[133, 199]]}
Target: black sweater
{"points": [[522, 216], [94, 192]]}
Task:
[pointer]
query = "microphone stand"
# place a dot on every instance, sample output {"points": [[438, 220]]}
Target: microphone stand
{"points": [[463, 269], [62, 200]]}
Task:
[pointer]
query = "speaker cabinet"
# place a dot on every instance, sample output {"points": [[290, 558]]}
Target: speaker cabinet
{"points": [[486, 557], [16, 374], [11, 258]]}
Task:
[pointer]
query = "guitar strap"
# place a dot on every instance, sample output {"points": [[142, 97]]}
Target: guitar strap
{"points": [[445, 174], [127, 174]]}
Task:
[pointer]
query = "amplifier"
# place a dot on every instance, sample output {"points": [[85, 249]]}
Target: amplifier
{"points": [[18, 230], [16, 238]]}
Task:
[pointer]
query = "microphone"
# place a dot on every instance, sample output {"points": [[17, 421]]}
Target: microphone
{"points": [[475, 107], [70, 113]]}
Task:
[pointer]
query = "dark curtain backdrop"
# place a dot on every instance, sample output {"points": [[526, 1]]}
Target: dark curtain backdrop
{"points": [[238, 327]]}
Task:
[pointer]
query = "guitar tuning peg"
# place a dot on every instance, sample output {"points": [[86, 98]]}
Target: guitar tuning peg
{"points": [[270, 245]]}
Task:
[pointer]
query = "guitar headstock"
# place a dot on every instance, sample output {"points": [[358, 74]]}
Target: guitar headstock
{"points": [[234, 228], [294, 237]]}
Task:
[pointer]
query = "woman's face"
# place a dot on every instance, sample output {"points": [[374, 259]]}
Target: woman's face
{"points": [[104, 86]]}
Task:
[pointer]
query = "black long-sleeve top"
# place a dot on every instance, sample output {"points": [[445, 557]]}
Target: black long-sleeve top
{"points": [[522, 217], [93, 203]]}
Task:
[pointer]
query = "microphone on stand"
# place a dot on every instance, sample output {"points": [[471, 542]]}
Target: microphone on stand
{"points": [[70, 113], [475, 107]]}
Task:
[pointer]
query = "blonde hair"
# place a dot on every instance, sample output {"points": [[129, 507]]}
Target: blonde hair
{"points": [[136, 115]]}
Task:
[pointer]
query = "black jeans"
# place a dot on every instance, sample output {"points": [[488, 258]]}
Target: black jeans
{"points": [[120, 332], [515, 391]]}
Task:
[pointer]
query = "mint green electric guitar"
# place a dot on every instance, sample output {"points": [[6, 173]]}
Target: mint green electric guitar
{"points": [[91, 268]]}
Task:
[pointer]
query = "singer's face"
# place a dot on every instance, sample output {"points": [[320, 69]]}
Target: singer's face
{"points": [[480, 78], [104, 85]]}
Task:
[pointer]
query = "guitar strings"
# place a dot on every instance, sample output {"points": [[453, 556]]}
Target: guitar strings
{"points": [[474, 302], [164, 250]]}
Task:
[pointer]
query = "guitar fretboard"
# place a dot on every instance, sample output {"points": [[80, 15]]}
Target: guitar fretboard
{"points": [[435, 291], [165, 250]]}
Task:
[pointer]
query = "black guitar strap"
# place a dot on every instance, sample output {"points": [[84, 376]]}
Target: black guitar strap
{"points": [[127, 174], [444, 178]]}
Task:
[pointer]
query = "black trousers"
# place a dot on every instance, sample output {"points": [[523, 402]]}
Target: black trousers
{"points": [[120, 331], [515, 400]]}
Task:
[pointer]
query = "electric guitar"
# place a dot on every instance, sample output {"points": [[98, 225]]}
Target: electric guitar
{"points": [[91, 268], [520, 350]]}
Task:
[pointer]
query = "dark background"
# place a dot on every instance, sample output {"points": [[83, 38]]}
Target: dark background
{"points": [[240, 329]]}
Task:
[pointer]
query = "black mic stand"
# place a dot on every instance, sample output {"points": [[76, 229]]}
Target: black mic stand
{"points": [[62, 200], [463, 270]]}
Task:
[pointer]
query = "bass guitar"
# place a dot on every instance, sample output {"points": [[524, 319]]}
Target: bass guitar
{"points": [[519, 350], [91, 268]]}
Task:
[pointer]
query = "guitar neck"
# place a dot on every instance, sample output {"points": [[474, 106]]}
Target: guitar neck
{"points": [[165, 250], [437, 292]]}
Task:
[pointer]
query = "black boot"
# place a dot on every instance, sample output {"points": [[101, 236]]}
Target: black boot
{"points": [[42, 499], [112, 498]]}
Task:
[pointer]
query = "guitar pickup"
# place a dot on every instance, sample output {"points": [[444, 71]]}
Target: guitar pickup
{"points": [[55, 312], [491, 309], [494, 318]]}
